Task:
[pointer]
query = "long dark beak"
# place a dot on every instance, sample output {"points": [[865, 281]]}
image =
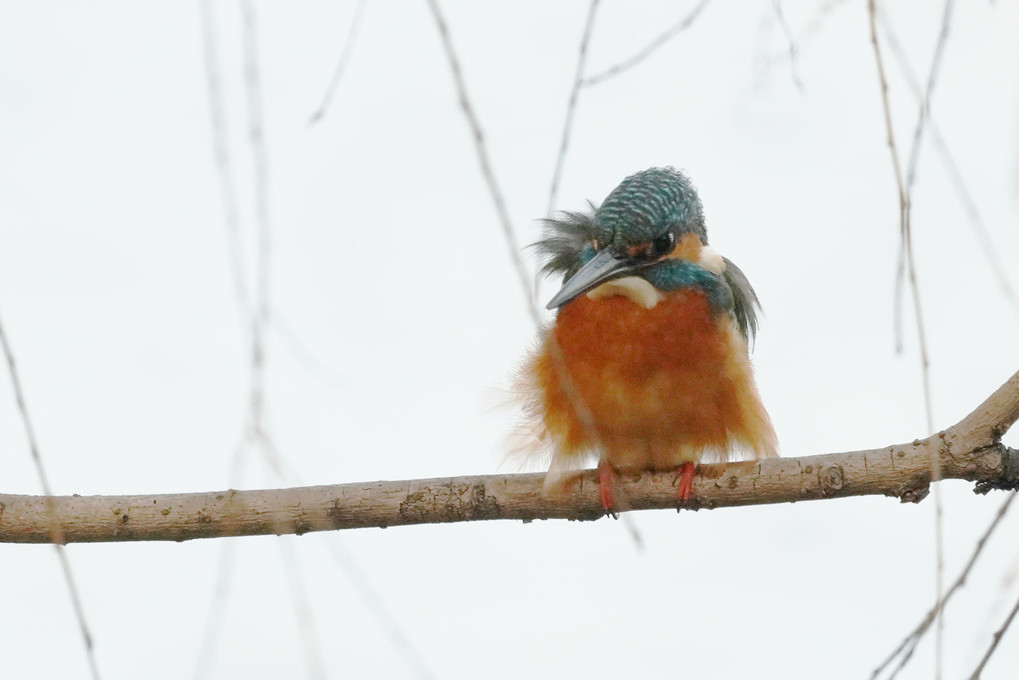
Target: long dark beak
{"points": [[604, 266]]}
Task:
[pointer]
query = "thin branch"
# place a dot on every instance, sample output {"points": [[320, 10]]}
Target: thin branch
{"points": [[906, 648], [904, 211], [258, 314], [568, 124], [907, 248], [904, 215], [217, 611], [370, 595], [256, 436], [969, 450], [256, 138], [566, 381], [793, 49], [925, 103], [221, 153], [914, 155], [820, 16], [33, 445], [341, 65], [51, 521], [373, 600], [650, 48], [313, 658], [578, 81], [980, 230], [228, 192], [486, 166], [807, 35], [994, 642]]}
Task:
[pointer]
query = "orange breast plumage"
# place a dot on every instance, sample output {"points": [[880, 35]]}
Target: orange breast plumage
{"points": [[646, 387]]}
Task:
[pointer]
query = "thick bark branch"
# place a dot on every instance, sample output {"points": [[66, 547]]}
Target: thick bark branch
{"points": [[969, 450]]}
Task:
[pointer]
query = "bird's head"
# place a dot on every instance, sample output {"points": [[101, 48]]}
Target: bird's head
{"points": [[651, 216]]}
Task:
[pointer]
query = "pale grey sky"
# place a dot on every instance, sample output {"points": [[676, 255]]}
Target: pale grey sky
{"points": [[389, 268]]}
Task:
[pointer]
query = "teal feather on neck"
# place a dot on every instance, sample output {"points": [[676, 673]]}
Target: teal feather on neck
{"points": [[671, 275]]}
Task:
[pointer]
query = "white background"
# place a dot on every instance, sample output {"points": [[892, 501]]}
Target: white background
{"points": [[398, 322]]}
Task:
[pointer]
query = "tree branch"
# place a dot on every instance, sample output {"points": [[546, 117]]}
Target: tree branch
{"points": [[970, 450]]}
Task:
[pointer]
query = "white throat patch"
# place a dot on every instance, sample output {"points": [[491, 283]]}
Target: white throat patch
{"points": [[633, 287]]}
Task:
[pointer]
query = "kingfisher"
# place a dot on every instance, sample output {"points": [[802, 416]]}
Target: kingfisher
{"points": [[646, 365]]}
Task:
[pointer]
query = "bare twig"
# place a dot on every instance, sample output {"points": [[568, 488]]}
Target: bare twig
{"points": [[812, 30], [907, 247], [373, 600], [904, 217], [970, 450], [341, 65], [904, 211], [217, 611], [980, 230], [313, 658], [51, 520], [914, 154], [906, 648], [255, 436], [578, 81], [257, 314], [256, 137], [994, 642], [486, 166], [817, 21], [368, 592], [793, 49], [555, 354], [258, 433], [925, 103], [221, 154], [650, 48]]}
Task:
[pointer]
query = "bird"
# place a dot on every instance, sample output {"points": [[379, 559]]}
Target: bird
{"points": [[646, 365]]}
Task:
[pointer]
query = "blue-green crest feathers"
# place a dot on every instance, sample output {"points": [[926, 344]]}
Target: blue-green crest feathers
{"points": [[650, 202]]}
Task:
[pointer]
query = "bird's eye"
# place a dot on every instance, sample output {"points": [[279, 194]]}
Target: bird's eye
{"points": [[662, 245]]}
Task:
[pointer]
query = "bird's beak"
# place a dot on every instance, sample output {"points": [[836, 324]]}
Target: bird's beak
{"points": [[603, 266]]}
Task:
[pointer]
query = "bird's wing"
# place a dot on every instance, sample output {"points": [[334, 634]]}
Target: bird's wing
{"points": [[745, 304]]}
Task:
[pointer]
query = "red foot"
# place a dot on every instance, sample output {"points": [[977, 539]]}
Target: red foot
{"points": [[606, 483], [685, 472]]}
